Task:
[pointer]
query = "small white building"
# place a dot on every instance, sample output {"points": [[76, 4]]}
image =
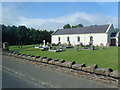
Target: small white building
{"points": [[96, 35]]}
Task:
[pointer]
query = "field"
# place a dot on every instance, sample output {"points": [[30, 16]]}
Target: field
{"points": [[105, 58]]}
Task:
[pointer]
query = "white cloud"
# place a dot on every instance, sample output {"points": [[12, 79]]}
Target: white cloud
{"points": [[73, 19], [9, 15], [12, 17]]}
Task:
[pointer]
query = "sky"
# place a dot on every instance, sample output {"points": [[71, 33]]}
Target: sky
{"points": [[54, 15]]}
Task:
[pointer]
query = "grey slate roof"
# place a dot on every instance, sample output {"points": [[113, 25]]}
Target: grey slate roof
{"points": [[82, 30]]}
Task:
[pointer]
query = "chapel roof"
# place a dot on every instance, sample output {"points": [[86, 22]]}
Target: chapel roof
{"points": [[82, 30]]}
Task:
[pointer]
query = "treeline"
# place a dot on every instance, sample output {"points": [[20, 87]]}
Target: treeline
{"points": [[21, 35], [75, 26]]}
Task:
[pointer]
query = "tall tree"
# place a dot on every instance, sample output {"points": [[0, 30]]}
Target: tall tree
{"points": [[23, 35], [14, 35], [4, 33]]}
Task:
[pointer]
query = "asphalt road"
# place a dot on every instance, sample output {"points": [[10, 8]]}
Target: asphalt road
{"points": [[10, 80], [18, 74]]}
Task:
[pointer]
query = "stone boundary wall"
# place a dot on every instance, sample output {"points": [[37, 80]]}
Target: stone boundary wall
{"points": [[93, 72]]}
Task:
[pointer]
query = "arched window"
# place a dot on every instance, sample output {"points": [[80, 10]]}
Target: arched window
{"points": [[91, 38], [68, 39], [59, 39], [78, 39]]}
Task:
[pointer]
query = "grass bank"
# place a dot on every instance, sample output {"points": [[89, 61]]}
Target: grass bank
{"points": [[105, 58]]}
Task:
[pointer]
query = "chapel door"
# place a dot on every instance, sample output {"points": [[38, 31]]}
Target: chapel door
{"points": [[113, 42]]}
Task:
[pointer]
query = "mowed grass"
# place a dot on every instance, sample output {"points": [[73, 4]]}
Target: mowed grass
{"points": [[105, 58]]}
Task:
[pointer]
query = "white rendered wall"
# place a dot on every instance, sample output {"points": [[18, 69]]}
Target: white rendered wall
{"points": [[84, 38]]}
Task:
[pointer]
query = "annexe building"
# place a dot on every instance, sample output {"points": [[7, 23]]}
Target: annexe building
{"points": [[96, 35]]}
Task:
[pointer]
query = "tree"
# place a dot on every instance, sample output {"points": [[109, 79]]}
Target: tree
{"points": [[66, 26], [79, 25], [13, 35], [74, 26], [4, 33], [23, 35], [33, 35]]}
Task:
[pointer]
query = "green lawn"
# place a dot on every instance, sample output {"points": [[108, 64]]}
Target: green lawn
{"points": [[105, 58]]}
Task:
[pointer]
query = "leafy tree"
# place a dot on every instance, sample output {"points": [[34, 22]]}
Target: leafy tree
{"points": [[23, 35], [74, 26], [66, 26], [4, 33], [33, 35], [12, 34], [79, 25]]}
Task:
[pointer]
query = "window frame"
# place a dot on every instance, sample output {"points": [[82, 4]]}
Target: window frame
{"points": [[59, 39], [68, 39], [78, 39], [91, 38]]}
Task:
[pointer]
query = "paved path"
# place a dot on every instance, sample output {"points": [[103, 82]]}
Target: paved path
{"points": [[19, 74]]}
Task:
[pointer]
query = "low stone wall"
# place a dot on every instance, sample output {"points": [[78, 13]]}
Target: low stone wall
{"points": [[93, 72]]}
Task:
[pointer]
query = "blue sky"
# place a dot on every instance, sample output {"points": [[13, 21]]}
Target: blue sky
{"points": [[53, 15]]}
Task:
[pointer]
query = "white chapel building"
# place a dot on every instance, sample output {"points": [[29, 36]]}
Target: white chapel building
{"points": [[96, 35]]}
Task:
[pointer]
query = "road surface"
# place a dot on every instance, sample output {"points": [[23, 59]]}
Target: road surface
{"points": [[18, 74], [10, 80]]}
